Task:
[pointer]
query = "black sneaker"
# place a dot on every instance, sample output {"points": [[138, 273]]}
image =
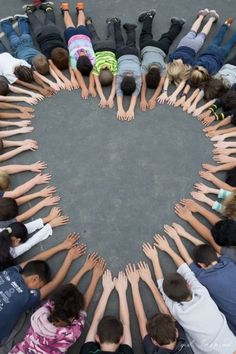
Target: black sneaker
{"points": [[150, 13], [28, 8], [88, 20], [9, 18], [46, 6], [181, 21], [113, 20], [129, 26]]}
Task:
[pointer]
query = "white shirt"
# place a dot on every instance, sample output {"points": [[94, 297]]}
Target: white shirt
{"points": [[205, 326], [8, 64]]}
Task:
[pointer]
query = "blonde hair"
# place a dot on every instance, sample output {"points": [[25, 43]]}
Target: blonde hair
{"points": [[230, 206], [178, 71], [4, 181], [199, 75]]}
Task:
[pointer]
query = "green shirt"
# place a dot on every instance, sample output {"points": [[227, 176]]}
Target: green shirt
{"points": [[105, 58]]}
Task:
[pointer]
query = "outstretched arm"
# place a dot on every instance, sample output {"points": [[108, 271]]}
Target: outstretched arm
{"points": [[162, 244], [152, 254]]}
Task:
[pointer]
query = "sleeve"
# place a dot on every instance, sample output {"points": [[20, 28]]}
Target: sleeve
{"points": [[189, 276], [148, 346], [89, 347], [143, 69], [229, 252], [41, 235], [72, 62], [11, 78], [169, 303], [195, 269], [223, 193], [218, 207], [115, 67], [118, 82], [24, 63], [34, 225], [138, 85], [95, 70]]}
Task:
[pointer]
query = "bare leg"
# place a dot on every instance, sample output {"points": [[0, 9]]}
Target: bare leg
{"points": [[68, 20], [81, 18], [208, 25], [197, 23]]}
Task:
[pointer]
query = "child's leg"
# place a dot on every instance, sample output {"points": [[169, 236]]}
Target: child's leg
{"points": [[50, 17], [11, 34], [118, 35], [229, 45], [67, 19], [131, 34], [220, 35], [196, 25], [35, 23], [167, 38], [146, 33], [81, 18], [92, 30], [23, 25]]}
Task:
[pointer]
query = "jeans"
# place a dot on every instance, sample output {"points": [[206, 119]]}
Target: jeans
{"points": [[38, 26], [100, 45], [164, 43], [224, 50], [24, 38], [3, 49], [122, 48]]}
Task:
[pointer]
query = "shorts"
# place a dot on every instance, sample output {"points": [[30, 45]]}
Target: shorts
{"points": [[193, 41], [73, 31]]}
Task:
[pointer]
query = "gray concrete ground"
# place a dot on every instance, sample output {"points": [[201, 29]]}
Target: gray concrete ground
{"points": [[119, 181]]}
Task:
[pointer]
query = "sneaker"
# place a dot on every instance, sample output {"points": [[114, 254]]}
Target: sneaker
{"points": [[80, 6], [229, 21], [88, 20], [150, 13], [181, 21], [9, 18], [113, 20], [203, 13], [17, 16], [29, 8], [46, 6], [214, 14], [129, 26]]}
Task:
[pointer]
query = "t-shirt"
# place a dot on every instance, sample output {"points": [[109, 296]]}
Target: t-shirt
{"points": [[15, 299], [93, 347], [128, 64], [48, 40], [8, 64], [220, 280], [182, 345], [45, 338], [78, 43], [228, 74], [212, 60], [185, 53], [152, 56], [205, 326], [230, 252], [105, 58], [6, 223]]}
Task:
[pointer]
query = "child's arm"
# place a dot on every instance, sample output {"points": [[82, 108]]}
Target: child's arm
{"points": [[199, 110], [46, 82], [153, 100], [33, 87], [103, 101], [84, 89], [8, 155], [197, 208], [92, 90], [215, 127], [143, 100], [180, 102], [223, 167], [13, 115], [23, 109], [35, 167], [4, 124], [29, 100], [152, 254], [59, 82], [220, 184], [162, 244], [130, 113], [182, 232], [121, 288], [43, 193], [121, 114], [163, 97], [73, 80], [197, 99], [110, 101], [173, 97], [8, 133], [108, 286], [191, 98]]}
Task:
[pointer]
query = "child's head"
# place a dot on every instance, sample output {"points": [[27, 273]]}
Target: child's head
{"points": [[24, 73], [228, 101], [204, 255], [198, 75], [84, 65], [12, 236], [67, 303], [4, 87], [8, 209], [4, 181], [231, 176], [105, 77], [36, 274], [176, 287], [224, 232], [177, 71], [60, 58], [109, 331], [128, 85], [230, 206], [214, 88], [153, 77], [40, 64], [161, 328]]}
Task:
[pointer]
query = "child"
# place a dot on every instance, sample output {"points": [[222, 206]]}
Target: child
{"points": [[210, 62], [23, 112], [215, 273], [59, 323], [82, 56], [128, 80], [105, 68], [25, 285], [160, 334], [180, 61], [109, 334], [191, 305], [153, 53]]}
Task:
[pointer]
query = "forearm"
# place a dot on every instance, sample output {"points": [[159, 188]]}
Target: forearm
{"points": [[211, 217], [27, 198], [32, 87], [198, 98], [19, 90], [7, 133], [12, 115], [90, 292], [8, 155], [183, 251], [38, 79], [192, 239], [206, 105], [132, 103], [55, 71], [158, 297], [175, 257], [193, 96], [13, 98], [201, 229], [30, 212], [43, 79], [144, 88], [157, 268], [124, 317], [179, 88], [80, 79], [24, 188], [221, 184], [76, 279], [158, 89], [120, 103], [4, 105], [113, 89], [139, 309], [99, 88], [12, 169]]}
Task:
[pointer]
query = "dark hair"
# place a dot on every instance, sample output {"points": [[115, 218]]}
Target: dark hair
{"points": [[233, 119], [106, 77], [198, 76], [161, 328], [128, 85], [1, 145], [24, 73], [16, 229], [37, 267], [84, 65], [67, 303], [153, 78], [8, 209], [110, 330], [228, 101], [4, 87], [204, 254], [231, 177], [60, 58], [176, 287], [224, 232], [40, 63], [214, 88]]}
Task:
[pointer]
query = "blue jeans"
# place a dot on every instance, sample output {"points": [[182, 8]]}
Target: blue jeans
{"points": [[3, 49], [16, 41], [216, 43]]}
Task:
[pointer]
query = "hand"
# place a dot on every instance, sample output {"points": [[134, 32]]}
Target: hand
{"points": [[132, 274], [161, 243], [74, 84], [59, 221], [121, 115], [92, 91], [204, 114], [209, 167], [191, 109], [149, 251], [179, 229], [186, 105], [47, 192], [68, 85], [208, 120], [76, 252], [55, 86], [129, 115], [31, 100], [209, 129], [223, 144], [47, 91], [24, 109], [121, 283], [202, 188], [24, 123], [54, 213], [29, 146], [206, 175], [37, 96], [220, 151], [29, 141], [102, 103], [71, 240], [170, 231], [26, 130], [183, 212], [42, 178], [152, 103], [144, 272], [223, 159], [212, 133], [110, 103], [38, 166], [107, 281], [180, 101], [143, 105], [85, 93], [162, 98], [218, 138], [171, 100], [26, 115], [50, 201], [99, 268], [197, 112], [190, 204], [61, 84], [199, 196], [90, 261]]}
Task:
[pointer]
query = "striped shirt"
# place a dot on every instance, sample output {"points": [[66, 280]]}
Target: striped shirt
{"points": [[105, 58], [76, 45]]}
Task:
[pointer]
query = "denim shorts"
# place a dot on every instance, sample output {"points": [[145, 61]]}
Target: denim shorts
{"points": [[193, 40], [73, 31]]}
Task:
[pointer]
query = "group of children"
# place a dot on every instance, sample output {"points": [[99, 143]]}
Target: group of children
{"points": [[196, 305]]}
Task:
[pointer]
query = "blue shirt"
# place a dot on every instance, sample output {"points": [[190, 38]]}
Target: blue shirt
{"points": [[15, 299], [220, 280], [212, 59], [185, 53]]}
